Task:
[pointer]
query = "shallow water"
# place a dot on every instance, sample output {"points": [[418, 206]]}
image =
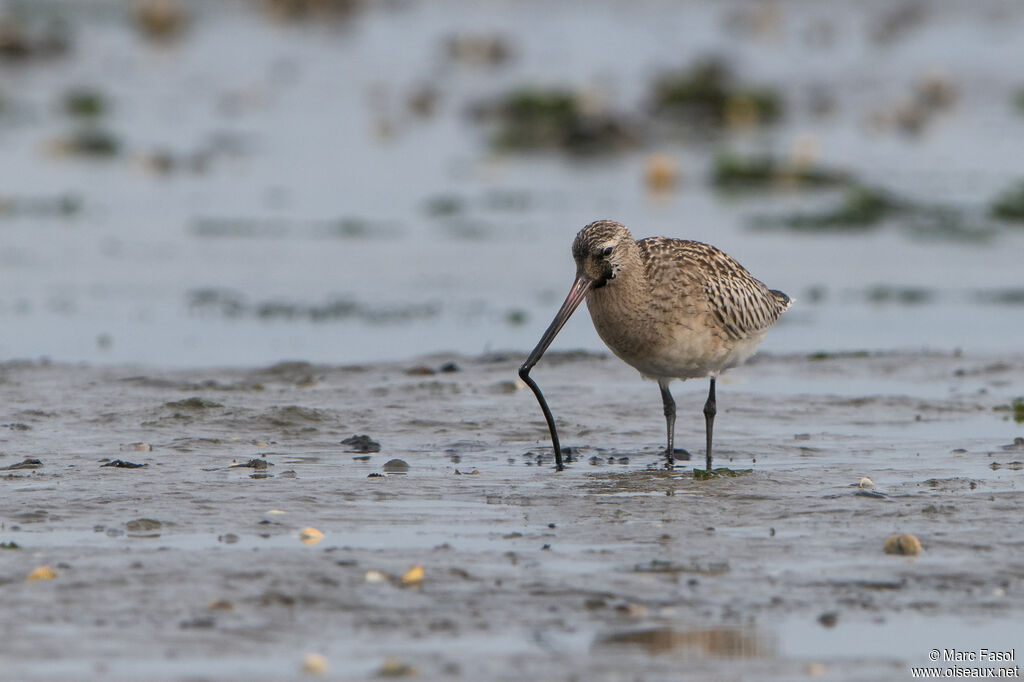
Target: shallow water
{"points": [[310, 233], [903, 638]]}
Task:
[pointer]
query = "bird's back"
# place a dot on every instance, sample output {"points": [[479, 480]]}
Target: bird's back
{"points": [[713, 283]]}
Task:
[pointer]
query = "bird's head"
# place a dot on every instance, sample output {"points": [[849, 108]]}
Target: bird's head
{"points": [[599, 250]]}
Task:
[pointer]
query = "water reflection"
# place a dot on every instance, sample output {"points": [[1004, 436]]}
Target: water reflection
{"points": [[710, 643]]}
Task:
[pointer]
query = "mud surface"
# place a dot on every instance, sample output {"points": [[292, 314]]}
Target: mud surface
{"points": [[192, 568]]}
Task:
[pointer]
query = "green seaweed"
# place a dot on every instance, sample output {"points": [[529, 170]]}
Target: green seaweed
{"points": [[824, 355], [85, 103], [1009, 296], [194, 403], [1015, 408], [1018, 100], [707, 94], [232, 304], [60, 206], [948, 224], [665, 566], [733, 171], [864, 208], [720, 472], [348, 228], [884, 293], [532, 119], [93, 142], [1009, 205], [516, 317], [444, 206], [861, 208]]}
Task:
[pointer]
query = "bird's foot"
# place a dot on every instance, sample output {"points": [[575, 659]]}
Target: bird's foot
{"points": [[676, 454]]}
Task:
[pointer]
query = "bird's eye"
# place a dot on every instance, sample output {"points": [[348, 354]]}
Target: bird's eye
{"points": [[607, 251]]}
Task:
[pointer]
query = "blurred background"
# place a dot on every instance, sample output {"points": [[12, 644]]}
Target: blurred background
{"points": [[235, 183]]}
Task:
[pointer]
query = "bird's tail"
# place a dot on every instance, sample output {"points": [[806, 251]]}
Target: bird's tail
{"points": [[784, 301]]}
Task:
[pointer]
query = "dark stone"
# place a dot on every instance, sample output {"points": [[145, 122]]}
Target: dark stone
{"points": [[361, 443]]}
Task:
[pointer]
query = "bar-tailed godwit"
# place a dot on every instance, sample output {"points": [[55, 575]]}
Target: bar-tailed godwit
{"points": [[671, 308]]}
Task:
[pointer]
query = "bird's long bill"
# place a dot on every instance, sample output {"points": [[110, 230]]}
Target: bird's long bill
{"points": [[577, 293]]}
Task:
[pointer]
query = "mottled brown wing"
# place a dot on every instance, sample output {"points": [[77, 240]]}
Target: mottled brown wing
{"points": [[740, 303]]}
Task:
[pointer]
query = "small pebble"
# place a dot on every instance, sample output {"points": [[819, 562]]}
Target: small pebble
{"points": [[395, 668], [142, 525], [198, 623], [906, 544], [122, 464], [632, 610], [661, 172], [310, 536], [361, 443], [314, 664], [396, 466], [815, 669], [508, 386], [376, 577], [41, 573], [160, 20], [254, 463], [414, 576], [27, 463]]}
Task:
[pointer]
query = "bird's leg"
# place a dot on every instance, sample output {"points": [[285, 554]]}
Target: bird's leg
{"points": [[710, 409], [670, 420]]}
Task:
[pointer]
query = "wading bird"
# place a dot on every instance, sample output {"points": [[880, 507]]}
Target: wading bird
{"points": [[671, 308]]}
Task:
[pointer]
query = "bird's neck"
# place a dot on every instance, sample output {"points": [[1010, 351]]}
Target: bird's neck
{"points": [[622, 306]]}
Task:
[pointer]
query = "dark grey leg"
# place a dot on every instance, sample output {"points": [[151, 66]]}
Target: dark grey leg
{"points": [[710, 409], [670, 419]]}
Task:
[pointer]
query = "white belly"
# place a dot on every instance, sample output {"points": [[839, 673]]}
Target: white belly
{"points": [[687, 354]]}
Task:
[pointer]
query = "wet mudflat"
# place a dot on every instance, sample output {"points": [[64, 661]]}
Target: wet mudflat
{"points": [[192, 568]]}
